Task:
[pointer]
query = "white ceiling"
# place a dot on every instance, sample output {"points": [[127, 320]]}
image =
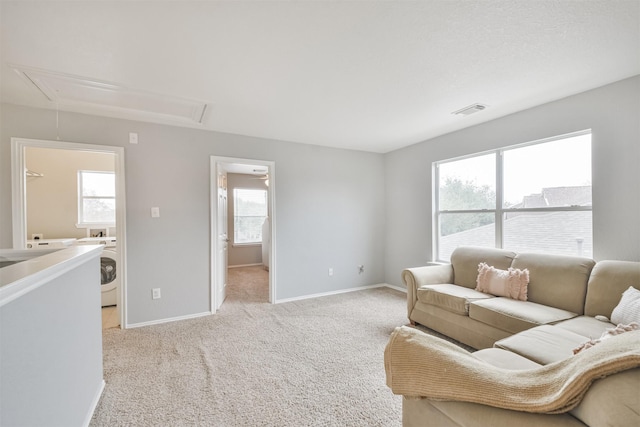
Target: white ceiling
{"points": [[365, 75]]}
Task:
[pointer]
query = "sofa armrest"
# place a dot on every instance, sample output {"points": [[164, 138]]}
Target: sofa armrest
{"points": [[415, 277]]}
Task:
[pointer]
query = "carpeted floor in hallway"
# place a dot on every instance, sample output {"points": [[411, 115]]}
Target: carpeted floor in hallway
{"points": [[247, 285]]}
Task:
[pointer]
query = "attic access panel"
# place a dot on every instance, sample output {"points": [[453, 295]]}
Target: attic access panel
{"points": [[72, 90]]}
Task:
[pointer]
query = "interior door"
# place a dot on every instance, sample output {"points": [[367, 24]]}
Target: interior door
{"points": [[222, 239]]}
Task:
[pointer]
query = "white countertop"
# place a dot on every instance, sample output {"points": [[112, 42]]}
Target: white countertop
{"points": [[25, 276]]}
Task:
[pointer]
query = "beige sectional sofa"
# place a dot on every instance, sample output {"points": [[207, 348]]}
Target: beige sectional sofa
{"points": [[565, 294]]}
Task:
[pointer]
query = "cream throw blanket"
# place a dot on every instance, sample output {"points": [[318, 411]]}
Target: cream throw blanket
{"points": [[421, 365]]}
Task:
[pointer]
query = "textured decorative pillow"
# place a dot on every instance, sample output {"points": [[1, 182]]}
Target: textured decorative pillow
{"points": [[511, 283], [620, 329], [628, 309]]}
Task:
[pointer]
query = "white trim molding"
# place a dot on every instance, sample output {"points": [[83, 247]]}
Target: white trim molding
{"points": [[19, 204], [168, 320], [340, 291], [244, 265], [94, 404], [396, 288], [222, 163]]}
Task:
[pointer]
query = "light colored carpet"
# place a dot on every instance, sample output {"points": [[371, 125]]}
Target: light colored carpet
{"points": [[315, 362]]}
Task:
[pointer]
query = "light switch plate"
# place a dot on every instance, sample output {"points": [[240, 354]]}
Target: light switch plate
{"points": [[155, 212]]}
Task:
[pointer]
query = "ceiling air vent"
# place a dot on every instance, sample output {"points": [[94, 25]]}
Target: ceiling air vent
{"points": [[65, 89], [473, 108]]}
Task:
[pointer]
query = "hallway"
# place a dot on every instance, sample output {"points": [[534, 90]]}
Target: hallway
{"points": [[247, 285]]}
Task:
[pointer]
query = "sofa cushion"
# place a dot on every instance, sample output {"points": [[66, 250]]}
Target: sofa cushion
{"points": [[587, 326], [618, 394], [556, 280], [505, 359], [609, 333], [543, 344], [608, 280], [465, 260], [515, 316], [417, 412], [450, 297]]}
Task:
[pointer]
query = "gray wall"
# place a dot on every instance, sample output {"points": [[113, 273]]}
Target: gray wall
{"points": [[613, 114], [329, 207], [51, 351], [245, 254]]}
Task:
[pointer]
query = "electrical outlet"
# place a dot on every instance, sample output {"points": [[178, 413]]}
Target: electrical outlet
{"points": [[155, 212], [155, 293], [330, 271], [360, 269]]}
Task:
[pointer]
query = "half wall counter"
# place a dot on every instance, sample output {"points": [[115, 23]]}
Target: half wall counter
{"points": [[50, 336]]}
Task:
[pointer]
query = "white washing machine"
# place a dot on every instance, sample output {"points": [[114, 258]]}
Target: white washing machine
{"points": [[109, 274], [109, 277]]}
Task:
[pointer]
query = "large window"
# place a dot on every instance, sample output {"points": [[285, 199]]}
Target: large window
{"points": [[534, 197], [96, 198], [249, 213]]}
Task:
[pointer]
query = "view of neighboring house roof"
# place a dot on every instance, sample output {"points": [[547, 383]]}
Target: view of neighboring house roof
{"points": [[558, 196], [564, 232]]}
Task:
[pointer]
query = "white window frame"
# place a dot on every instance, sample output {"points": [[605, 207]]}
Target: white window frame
{"points": [[81, 197], [499, 209], [244, 244]]}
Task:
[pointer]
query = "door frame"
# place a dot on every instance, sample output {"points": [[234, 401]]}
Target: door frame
{"points": [[221, 233], [19, 202], [219, 164]]}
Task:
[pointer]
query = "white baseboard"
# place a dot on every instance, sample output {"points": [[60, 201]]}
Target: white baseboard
{"points": [[244, 265], [340, 291], [94, 404], [167, 320], [397, 288]]}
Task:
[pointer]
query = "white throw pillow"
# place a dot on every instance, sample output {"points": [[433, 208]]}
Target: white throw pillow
{"points": [[511, 283], [628, 309]]}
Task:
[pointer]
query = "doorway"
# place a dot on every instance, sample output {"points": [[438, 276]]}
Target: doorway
{"points": [[221, 167], [25, 180]]}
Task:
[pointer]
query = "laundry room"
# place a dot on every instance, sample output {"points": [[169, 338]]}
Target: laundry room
{"points": [[70, 200]]}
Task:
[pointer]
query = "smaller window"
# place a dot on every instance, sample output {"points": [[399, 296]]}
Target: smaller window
{"points": [[96, 198], [249, 213]]}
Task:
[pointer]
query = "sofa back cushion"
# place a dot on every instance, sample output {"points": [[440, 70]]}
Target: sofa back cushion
{"points": [[556, 280], [465, 260], [609, 279]]}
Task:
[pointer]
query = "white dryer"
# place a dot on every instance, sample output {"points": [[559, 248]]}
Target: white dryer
{"points": [[109, 277]]}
